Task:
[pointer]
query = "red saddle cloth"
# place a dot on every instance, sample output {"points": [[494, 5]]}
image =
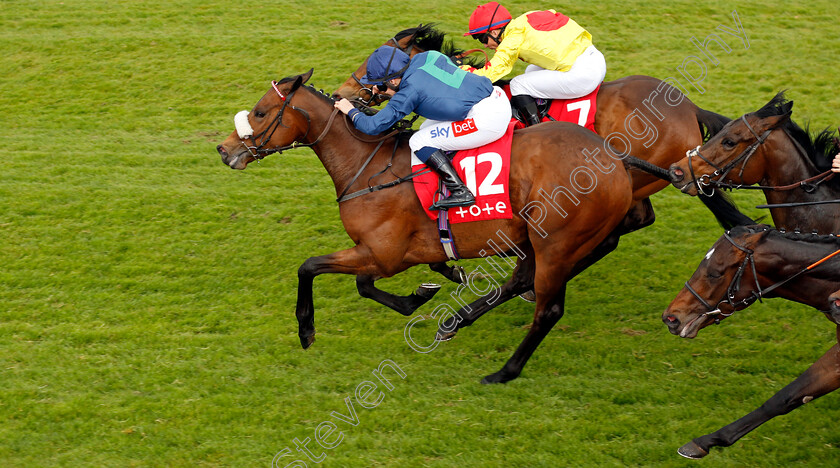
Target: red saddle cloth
{"points": [[486, 172], [579, 110]]}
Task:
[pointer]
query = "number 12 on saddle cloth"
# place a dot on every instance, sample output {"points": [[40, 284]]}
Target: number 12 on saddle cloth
{"points": [[486, 172]]}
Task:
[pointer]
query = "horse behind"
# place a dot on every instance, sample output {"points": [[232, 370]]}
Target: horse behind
{"points": [[556, 225], [765, 147], [640, 115], [745, 265]]}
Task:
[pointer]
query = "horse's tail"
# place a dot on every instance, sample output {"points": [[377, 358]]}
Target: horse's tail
{"points": [[710, 123], [725, 211]]}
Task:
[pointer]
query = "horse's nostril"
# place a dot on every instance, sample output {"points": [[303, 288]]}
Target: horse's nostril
{"points": [[221, 150], [671, 318], [677, 174]]}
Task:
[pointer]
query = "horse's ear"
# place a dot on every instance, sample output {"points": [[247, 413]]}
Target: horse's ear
{"points": [[776, 120], [301, 79], [786, 107], [306, 76]]}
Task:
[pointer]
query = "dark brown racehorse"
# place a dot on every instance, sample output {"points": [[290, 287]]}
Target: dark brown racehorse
{"points": [[390, 230], [767, 148], [641, 115], [746, 265]]}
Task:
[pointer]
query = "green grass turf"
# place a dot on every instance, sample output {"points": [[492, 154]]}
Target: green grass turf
{"points": [[147, 291]]}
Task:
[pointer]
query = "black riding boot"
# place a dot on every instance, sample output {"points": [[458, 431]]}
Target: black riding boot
{"points": [[460, 194], [527, 107]]}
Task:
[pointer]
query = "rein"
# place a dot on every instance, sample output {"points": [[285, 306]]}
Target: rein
{"points": [[809, 185], [757, 293]]}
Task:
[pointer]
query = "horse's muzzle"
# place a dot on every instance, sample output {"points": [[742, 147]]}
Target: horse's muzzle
{"points": [[676, 173], [229, 160], [672, 323], [834, 309]]}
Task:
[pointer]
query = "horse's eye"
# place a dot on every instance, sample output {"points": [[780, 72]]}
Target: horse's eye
{"points": [[728, 144], [713, 274], [259, 114]]}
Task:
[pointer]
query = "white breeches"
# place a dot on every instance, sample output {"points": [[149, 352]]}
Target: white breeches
{"points": [[584, 76], [486, 122]]}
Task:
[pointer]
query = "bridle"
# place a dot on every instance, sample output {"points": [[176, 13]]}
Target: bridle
{"points": [[735, 284], [715, 179], [722, 172], [259, 149], [733, 288]]}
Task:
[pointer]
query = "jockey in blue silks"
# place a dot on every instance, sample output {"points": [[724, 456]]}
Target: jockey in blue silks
{"points": [[463, 110]]}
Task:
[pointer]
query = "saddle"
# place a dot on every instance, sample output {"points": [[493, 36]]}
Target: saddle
{"points": [[579, 110]]}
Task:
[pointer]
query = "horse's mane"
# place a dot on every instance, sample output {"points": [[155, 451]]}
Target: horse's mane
{"points": [[820, 148], [771, 232], [427, 37]]}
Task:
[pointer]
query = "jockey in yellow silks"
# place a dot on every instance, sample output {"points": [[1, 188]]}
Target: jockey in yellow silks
{"points": [[563, 63]]}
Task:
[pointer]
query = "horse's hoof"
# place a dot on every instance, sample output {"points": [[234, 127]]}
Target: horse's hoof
{"points": [[692, 450], [497, 377], [529, 296], [460, 274], [306, 341], [445, 336], [427, 290]]}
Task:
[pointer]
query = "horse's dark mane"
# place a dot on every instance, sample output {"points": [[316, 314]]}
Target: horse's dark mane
{"points": [[771, 232], [320, 92], [820, 148], [427, 37]]}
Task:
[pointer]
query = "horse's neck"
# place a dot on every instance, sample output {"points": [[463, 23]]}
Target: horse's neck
{"points": [[787, 166], [341, 153], [780, 259], [824, 219]]}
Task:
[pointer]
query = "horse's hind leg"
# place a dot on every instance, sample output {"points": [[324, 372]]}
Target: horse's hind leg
{"points": [[821, 378], [639, 216], [547, 314], [454, 273], [405, 305], [520, 281]]}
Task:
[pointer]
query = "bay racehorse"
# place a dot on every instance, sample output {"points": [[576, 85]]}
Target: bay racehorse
{"points": [[646, 117], [389, 228], [767, 148], [745, 265]]}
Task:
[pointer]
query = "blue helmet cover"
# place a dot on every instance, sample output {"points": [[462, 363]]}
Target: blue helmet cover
{"points": [[385, 63]]}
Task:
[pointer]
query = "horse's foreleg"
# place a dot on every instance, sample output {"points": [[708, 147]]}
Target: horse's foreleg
{"points": [[405, 305], [821, 378], [454, 273], [355, 261], [547, 314]]}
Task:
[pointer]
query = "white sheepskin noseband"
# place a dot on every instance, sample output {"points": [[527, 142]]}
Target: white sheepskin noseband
{"points": [[243, 127]]}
